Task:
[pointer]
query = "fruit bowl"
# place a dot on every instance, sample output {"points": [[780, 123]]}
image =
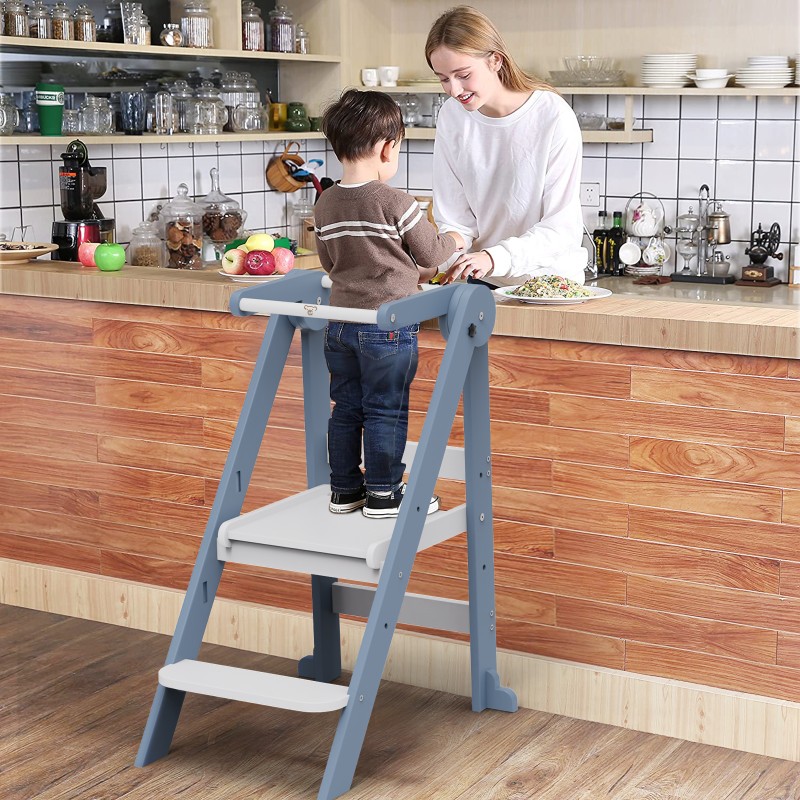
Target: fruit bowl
{"points": [[589, 69]]}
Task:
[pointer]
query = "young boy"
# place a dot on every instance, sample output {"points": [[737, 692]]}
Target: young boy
{"points": [[377, 245]]}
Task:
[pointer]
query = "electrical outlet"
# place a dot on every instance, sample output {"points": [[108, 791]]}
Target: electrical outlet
{"points": [[590, 195]]}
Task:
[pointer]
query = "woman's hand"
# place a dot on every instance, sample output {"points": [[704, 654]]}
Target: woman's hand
{"points": [[471, 265]]}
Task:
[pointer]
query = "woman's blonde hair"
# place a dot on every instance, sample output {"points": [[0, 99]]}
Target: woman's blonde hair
{"points": [[466, 30]]}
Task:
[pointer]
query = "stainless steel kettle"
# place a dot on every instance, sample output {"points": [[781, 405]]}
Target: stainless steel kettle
{"points": [[719, 226]]}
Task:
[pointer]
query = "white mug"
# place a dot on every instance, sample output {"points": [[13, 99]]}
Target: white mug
{"points": [[630, 253], [388, 75], [369, 76]]}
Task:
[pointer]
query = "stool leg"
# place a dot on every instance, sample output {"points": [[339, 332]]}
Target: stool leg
{"points": [[326, 662], [486, 689]]}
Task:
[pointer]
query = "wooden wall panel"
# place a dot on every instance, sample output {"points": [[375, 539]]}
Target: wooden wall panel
{"points": [[665, 421], [665, 491], [738, 464], [647, 501], [732, 570], [668, 630], [738, 393]]}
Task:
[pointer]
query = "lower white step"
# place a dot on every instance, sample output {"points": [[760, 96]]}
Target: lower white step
{"points": [[250, 686]]}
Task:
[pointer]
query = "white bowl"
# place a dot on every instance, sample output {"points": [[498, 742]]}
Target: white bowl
{"points": [[710, 73], [712, 83]]}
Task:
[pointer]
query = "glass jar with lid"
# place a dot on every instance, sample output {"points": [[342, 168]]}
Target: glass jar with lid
{"points": [[281, 30], [15, 19], [85, 24], [208, 111], [147, 248], [197, 26], [182, 96], [302, 43], [182, 227], [63, 25], [9, 114], [171, 35], [145, 34], [232, 94], [40, 21], [112, 22], [252, 27], [95, 116], [223, 217]]}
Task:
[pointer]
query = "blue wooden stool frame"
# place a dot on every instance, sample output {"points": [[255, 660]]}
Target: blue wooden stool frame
{"points": [[466, 316]]}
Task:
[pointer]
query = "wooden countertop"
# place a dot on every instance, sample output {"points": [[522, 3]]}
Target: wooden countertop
{"points": [[699, 317]]}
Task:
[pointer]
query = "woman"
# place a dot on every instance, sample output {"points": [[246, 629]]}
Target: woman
{"points": [[507, 159]]}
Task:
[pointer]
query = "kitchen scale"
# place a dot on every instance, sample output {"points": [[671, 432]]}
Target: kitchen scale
{"points": [[763, 245]]}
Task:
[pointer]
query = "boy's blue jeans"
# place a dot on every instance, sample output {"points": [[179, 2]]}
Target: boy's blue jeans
{"points": [[371, 374]]}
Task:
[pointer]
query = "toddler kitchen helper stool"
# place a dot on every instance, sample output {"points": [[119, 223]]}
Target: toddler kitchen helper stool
{"points": [[299, 534]]}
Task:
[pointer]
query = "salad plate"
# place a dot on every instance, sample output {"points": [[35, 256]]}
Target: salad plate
{"points": [[506, 293]]}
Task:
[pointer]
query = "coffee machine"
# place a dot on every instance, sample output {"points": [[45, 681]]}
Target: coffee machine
{"points": [[80, 184]]}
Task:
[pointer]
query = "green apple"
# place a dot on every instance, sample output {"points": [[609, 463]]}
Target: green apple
{"points": [[259, 241], [109, 257]]}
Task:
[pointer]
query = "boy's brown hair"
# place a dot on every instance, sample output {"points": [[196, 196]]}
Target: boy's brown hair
{"points": [[358, 121]]}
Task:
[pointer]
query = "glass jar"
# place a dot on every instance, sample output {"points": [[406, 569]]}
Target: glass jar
{"points": [[248, 116], [208, 111], [181, 102], [112, 22], [171, 35], [40, 21], [281, 30], [223, 217], [145, 35], [15, 19], [436, 107], [95, 117], [197, 26], [297, 119], [85, 25], [182, 222], [252, 27], [410, 109], [9, 114], [132, 14], [163, 122], [147, 248], [301, 40], [232, 94], [63, 25]]}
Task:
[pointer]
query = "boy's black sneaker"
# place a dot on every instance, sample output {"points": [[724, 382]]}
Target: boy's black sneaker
{"points": [[386, 507], [345, 502]]}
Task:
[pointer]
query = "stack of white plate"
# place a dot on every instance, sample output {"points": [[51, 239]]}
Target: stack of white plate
{"points": [[797, 70], [667, 70], [642, 270], [765, 72]]}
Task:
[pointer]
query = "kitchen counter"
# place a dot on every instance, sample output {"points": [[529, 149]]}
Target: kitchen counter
{"points": [[645, 449], [701, 318]]}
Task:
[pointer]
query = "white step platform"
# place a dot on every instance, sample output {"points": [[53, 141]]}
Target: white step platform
{"points": [[250, 686], [299, 534]]}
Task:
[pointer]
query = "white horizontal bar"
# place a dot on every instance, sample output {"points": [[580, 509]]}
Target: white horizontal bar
{"points": [[255, 306]]}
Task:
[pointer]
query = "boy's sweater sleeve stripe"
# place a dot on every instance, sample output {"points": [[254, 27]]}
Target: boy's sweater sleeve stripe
{"points": [[409, 225]]}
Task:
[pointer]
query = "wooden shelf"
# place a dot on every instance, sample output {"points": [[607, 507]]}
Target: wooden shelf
{"points": [[618, 137], [48, 46], [152, 138], [732, 91]]}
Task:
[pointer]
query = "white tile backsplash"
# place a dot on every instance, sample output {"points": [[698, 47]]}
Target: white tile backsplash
{"points": [[775, 140], [420, 172], [777, 108], [127, 216], [180, 170], [275, 208], [734, 180], [230, 174], [253, 172], [36, 152], [41, 221], [660, 176], [127, 179], [692, 174], [660, 106], [202, 174], [698, 138], [623, 176], [737, 107], [36, 183], [772, 180], [736, 139], [666, 138], [9, 184]]}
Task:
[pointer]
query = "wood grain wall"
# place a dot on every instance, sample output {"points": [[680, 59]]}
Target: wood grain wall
{"points": [[647, 502]]}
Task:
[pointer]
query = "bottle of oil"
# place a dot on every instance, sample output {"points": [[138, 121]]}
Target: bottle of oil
{"points": [[616, 238], [600, 238]]}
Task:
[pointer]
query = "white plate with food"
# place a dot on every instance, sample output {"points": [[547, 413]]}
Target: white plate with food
{"points": [[22, 252], [551, 290], [248, 278]]}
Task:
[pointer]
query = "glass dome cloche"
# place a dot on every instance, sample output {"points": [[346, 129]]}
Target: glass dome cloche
{"points": [[223, 217]]}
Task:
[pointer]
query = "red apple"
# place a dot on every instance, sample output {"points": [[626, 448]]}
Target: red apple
{"points": [[86, 253], [284, 260], [233, 261], [260, 262]]}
